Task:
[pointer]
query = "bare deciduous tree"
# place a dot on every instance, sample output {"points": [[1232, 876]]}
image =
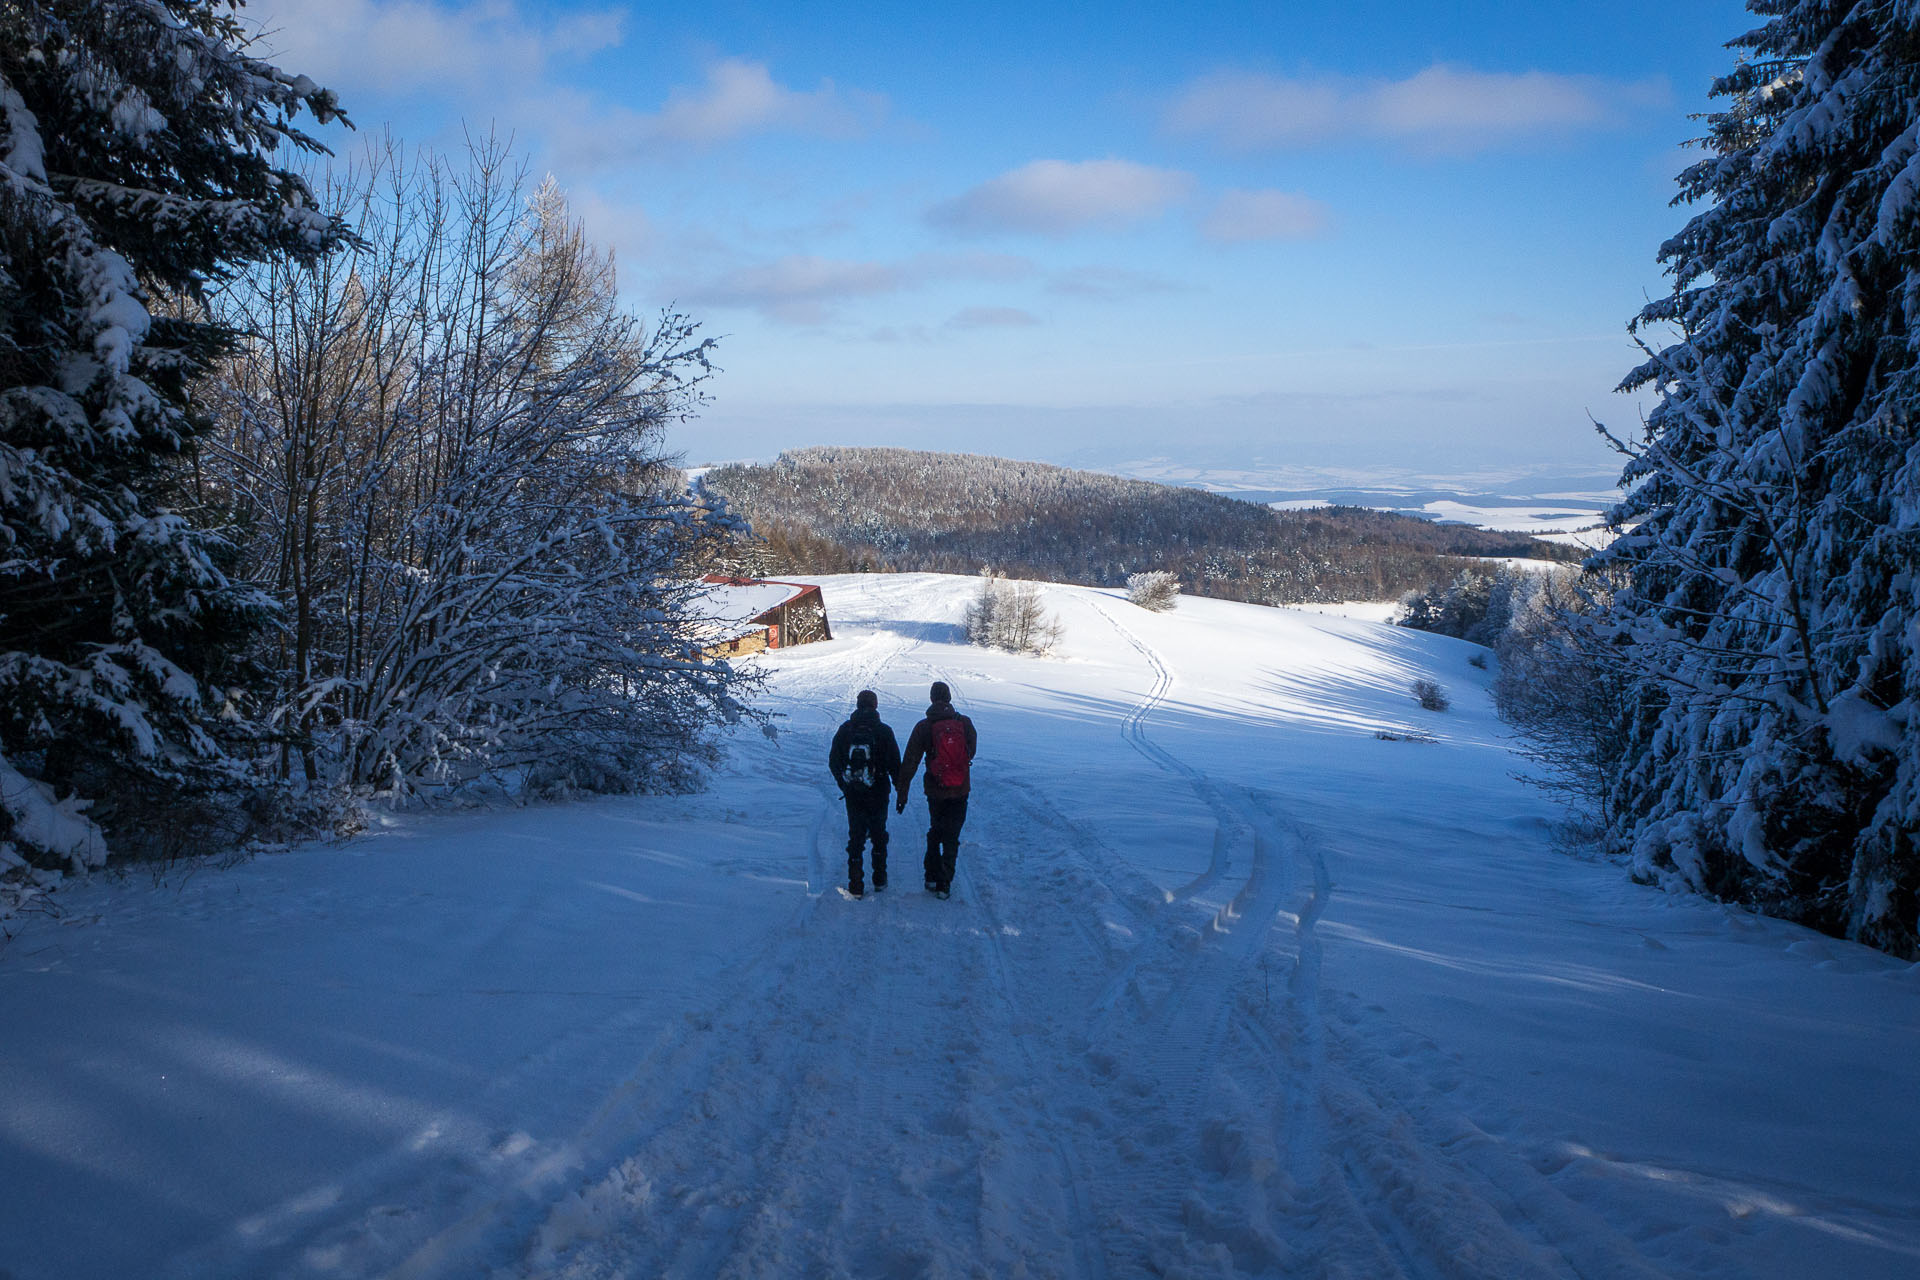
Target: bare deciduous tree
{"points": [[443, 454], [1011, 616]]}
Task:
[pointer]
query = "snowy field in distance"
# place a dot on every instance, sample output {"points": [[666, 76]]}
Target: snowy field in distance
{"points": [[1551, 503], [1231, 985], [1539, 517]]}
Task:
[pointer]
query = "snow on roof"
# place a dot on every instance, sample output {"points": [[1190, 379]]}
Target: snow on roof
{"points": [[733, 605]]}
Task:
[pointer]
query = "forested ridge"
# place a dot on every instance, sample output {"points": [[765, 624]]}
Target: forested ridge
{"points": [[832, 510]]}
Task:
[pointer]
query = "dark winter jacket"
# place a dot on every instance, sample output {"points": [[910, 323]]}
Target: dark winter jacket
{"points": [[920, 741], [886, 751]]}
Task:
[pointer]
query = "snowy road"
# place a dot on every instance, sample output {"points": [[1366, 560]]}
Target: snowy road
{"points": [[1229, 986]]}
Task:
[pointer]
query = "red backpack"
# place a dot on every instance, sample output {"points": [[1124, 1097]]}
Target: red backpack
{"points": [[947, 753]]}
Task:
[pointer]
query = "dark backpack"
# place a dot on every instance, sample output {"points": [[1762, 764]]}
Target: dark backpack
{"points": [[863, 773], [947, 753]]}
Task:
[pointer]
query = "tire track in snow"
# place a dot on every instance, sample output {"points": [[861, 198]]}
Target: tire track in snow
{"points": [[1402, 1183], [1365, 1224], [1089, 1252], [1180, 1040], [1098, 875], [775, 1146], [818, 1163], [1382, 1204], [1242, 921], [1418, 1158]]}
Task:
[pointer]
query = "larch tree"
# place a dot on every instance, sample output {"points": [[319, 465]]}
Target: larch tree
{"points": [[443, 453], [1766, 608], [137, 168]]}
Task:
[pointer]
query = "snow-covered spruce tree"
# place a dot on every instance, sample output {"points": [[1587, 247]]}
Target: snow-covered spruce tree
{"points": [[443, 450], [136, 163], [1771, 531]]}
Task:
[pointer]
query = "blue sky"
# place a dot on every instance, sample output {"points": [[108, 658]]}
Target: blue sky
{"points": [[1305, 240]]}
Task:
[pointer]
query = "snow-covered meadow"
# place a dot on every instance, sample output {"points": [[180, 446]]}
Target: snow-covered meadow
{"points": [[1253, 967]]}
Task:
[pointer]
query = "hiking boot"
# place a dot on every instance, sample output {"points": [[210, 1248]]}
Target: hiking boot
{"points": [[942, 894], [856, 889], [932, 887], [878, 884]]}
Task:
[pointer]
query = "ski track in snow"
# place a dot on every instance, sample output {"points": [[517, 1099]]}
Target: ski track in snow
{"points": [[1116, 1052]]}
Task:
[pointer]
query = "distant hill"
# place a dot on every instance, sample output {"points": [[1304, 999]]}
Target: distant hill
{"points": [[835, 510]]}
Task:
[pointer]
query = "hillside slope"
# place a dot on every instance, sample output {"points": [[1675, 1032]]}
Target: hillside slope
{"points": [[897, 510], [1230, 986]]}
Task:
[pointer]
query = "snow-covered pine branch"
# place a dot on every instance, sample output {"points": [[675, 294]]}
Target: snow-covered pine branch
{"points": [[137, 148], [1765, 611]]}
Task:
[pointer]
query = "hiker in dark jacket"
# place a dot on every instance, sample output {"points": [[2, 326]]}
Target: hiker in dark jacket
{"points": [[945, 739], [864, 758]]}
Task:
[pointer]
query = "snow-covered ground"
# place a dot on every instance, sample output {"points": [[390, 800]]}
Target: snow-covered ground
{"points": [[1366, 610], [1576, 514], [1229, 985]]}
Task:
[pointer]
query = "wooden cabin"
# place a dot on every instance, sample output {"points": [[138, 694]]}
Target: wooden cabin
{"points": [[752, 614]]}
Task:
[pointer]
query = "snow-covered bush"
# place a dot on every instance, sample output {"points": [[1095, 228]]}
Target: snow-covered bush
{"points": [[1431, 696], [444, 452], [1155, 589], [1011, 616], [1475, 606], [1564, 694], [137, 166], [1767, 610]]}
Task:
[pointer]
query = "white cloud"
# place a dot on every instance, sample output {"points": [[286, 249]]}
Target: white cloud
{"points": [[619, 225], [1443, 108], [1110, 284], [970, 266], [992, 318], [804, 288], [399, 46], [1241, 216], [1246, 111], [737, 99], [796, 289], [741, 97], [1054, 197], [500, 60]]}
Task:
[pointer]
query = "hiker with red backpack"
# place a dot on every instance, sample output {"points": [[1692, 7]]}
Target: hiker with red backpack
{"points": [[945, 739], [864, 757]]}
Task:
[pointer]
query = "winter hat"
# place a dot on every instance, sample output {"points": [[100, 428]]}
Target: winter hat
{"points": [[940, 692], [867, 700]]}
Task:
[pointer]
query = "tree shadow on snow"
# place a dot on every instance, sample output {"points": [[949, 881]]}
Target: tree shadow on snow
{"points": [[927, 632]]}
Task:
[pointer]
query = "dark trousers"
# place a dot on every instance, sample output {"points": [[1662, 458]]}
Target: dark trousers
{"points": [[944, 820], [867, 820]]}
